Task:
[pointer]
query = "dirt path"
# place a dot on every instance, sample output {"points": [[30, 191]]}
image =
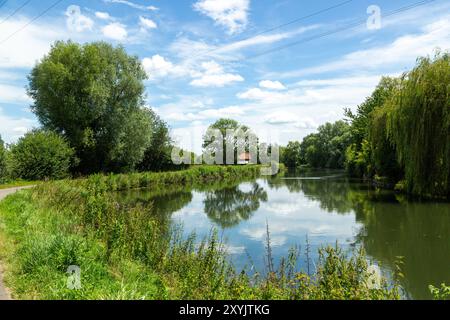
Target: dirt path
{"points": [[4, 292]]}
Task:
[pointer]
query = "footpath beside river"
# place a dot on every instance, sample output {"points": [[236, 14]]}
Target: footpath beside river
{"points": [[4, 292]]}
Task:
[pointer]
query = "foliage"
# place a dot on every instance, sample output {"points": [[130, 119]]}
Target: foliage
{"points": [[157, 156], [402, 131], [41, 155], [358, 162], [418, 124], [368, 138], [3, 168], [93, 94], [383, 161], [326, 148], [291, 155], [442, 293]]}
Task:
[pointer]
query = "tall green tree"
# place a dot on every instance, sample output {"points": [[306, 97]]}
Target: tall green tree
{"points": [[93, 94]]}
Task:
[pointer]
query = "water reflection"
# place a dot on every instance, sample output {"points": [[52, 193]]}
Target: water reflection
{"points": [[229, 206], [393, 228], [418, 232], [327, 207]]}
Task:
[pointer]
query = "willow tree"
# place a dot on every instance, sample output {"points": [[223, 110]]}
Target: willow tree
{"points": [[418, 124]]}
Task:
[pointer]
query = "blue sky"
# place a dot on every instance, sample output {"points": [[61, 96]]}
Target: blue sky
{"points": [[208, 59]]}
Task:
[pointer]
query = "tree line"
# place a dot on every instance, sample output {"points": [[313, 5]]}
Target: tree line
{"points": [[90, 102], [399, 135]]}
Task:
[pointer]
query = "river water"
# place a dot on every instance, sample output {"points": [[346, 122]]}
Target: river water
{"points": [[319, 208]]}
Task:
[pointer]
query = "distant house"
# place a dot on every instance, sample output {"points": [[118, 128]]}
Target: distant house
{"points": [[244, 158]]}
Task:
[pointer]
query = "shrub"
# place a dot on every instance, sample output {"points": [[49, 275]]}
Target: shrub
{"points": [[41, 155]]}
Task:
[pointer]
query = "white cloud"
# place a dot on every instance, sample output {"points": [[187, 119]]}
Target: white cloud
{"points": [[157, 66], [289, 118], [262, 95], [12, 128], [231, 14], [274, 85], [22, 50], [345, 81], [12, 94], [115, 31], [133, 5], [213, 75], [401, 53], [102, 15], [77, 21], [264, 39], [231, 111], [146, 23], [194, 50]]}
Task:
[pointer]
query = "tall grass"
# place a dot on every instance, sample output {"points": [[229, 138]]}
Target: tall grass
{"points": [[128, 253]]}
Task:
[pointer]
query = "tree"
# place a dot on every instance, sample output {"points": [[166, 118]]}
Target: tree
{"points": [[41, 155], [223, 125], [157, 156], [418, 125], [291, 154], [326, 148], [3, 168], [359, 160], [93, 95]]}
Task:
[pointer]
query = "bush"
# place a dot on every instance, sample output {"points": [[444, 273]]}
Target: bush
{"points": [[41, 155]]}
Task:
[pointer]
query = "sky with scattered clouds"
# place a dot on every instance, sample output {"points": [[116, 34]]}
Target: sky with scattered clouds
{"points": [[282, 67]]}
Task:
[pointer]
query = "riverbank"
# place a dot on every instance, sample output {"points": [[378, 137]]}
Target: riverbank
{"points": [[127, 253]]}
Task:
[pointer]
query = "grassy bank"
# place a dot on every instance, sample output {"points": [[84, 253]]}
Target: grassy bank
{"points": [[128, 253]]}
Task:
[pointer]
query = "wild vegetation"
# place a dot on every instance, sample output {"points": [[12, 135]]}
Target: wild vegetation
{"points": [[128, 253], [399, 136], [89, 100]]}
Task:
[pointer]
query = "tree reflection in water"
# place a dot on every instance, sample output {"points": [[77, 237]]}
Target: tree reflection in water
{"points": [[391, 227], [229, 206]]}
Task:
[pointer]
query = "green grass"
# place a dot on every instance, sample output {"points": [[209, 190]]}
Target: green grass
{"points": [[128, 253]]}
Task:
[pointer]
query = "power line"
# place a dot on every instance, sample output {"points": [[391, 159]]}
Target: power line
{"points": [[281, 26], [15, 11], [302, 18], [325, 34], [31, 21]]}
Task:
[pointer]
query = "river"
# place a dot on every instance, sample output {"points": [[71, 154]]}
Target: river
{"points": [[311, 210]]}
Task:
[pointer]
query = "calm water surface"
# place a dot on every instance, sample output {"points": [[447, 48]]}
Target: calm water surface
{"points": [[323, 207]]}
